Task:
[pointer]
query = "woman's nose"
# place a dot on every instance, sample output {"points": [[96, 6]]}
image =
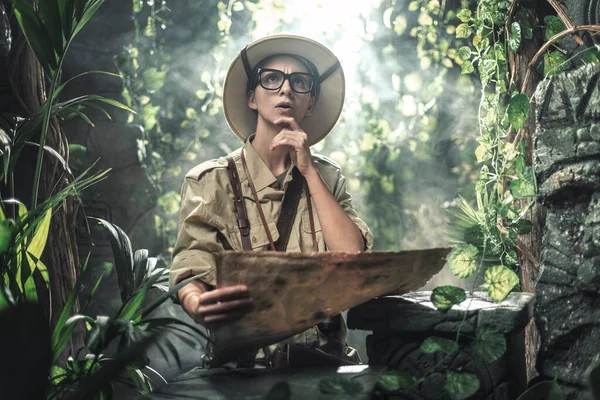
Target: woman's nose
{"points": [[286, 87]]}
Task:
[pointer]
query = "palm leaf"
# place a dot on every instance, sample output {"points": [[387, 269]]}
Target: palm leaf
{"points": [[51, 16], [36, 35]]}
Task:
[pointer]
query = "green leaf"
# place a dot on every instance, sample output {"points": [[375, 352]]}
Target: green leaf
{"points": [[51, 16], [466, 68], [464, 52], [65, 8], [526, 27], [554, 25], [464, 15], [548, 390], [499, 281], [133, 305], [463, 31], [522, 226], [525, 186], [393, 381], [554, 63], [57, 374], [518, 110], [111, 102], [434, 343], [488, 346], [169, 202], [279, 391], [460, 385], [444, 297], [38, 242], [463, 261], [515, 37], [6, 234], [154, 79], [36, 35], [339, 386], [121, 247], [88, 13]]}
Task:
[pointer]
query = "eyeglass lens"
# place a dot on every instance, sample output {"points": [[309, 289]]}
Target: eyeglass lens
{"points": [[273, 80]]}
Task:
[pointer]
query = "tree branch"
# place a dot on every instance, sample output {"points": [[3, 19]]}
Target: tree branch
{"points": [[565, 19]]}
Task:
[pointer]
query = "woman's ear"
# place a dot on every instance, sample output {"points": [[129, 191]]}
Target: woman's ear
{"points": [[252, 100], [311, 106]]}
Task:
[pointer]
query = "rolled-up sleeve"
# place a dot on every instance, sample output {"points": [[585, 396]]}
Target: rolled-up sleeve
{"points": [[197, 240], [345, 201]]}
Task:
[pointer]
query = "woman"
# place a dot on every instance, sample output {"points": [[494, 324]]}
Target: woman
{"points": [[282, 94]]}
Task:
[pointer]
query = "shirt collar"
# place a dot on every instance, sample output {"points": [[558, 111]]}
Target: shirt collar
{"points": [[261, 174]]}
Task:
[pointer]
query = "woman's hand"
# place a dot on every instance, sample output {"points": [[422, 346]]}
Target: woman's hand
{"points": [[297, 140], [219, 306]]}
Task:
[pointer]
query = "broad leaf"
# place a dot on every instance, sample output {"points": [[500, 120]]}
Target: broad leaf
{"points": [[464, 15], [460, 385], [463, 31], [554, 25], [518, 110], [434, 343], [463, 261], [488, 346], [444, 297], [554, 63], [464, 52], [393, 381], [515, 37], [499, 281], [466, 68], [548, 390], [525, 186]]}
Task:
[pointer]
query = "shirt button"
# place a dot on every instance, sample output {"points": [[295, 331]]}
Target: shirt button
{"points": [[254, 239]]}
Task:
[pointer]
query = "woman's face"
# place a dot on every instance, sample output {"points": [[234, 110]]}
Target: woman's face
{"points": [[283, 102]]}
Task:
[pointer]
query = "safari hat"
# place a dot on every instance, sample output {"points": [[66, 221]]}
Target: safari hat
{"points": [[242, 120]]}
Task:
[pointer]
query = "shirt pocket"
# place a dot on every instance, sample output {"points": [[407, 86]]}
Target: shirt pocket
{"points": [[258, 236]]}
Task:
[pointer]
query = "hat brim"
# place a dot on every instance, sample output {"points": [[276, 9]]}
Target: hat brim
{"points": [[242, 120]]}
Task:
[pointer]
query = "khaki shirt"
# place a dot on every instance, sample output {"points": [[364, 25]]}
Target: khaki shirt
{"points": [[207, 218]]}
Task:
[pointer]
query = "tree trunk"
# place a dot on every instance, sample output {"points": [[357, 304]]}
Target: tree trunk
{"points": [[528, 246], [60, 256]]}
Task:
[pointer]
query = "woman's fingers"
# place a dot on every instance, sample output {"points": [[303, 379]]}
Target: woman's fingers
{"points": [[224, 307], [224, 294]]}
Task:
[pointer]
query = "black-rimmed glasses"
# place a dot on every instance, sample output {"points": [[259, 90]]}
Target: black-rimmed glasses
{"points": [[272, 79]]}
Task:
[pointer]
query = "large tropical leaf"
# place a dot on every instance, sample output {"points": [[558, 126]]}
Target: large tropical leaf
{"points": [[51, 15], [90, 9], [36, 34], [121, 247]]}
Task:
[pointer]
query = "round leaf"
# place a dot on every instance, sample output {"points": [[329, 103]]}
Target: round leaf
{"points": [[464, 15], [463, 31], [463, 261], [466, 68], [518, 110], [460, 385], [499, 281], [489, 346], [554, 25], [515, 37], [444, 297], [434, 343], [554, 63], [464, 52]]}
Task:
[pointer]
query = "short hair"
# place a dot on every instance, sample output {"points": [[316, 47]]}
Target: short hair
{"points": [[316, 89]]}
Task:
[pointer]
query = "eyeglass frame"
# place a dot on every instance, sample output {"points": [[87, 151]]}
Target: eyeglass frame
{"points": [[286, 77]]}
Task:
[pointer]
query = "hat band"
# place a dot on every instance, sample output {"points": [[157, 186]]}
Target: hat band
{"points": [[322, 77]]}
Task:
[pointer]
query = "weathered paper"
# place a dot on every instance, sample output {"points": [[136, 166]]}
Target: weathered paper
{"points": [[294, 291]]}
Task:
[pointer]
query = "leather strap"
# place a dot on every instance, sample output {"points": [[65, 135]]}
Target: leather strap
{"points": [[240, 208], [289, 209]]}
